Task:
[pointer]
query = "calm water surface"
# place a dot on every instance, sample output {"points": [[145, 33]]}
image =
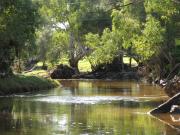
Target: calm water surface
{"points": [[87, 108]]}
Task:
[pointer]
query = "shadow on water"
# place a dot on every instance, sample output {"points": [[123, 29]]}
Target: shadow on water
{"points": [[6, 109], [119, 108]]}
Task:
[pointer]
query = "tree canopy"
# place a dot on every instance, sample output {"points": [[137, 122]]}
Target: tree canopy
{"points": [[94, 29], [18, 22]]}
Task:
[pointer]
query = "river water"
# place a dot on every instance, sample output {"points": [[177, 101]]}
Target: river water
{"points": [[86, 108]]}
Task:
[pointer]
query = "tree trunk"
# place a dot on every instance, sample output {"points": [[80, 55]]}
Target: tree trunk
{"points": [[19, 65], [92, 66], [130, 61], [121, 60], [71, 46], [72, 61], [74, 64]]}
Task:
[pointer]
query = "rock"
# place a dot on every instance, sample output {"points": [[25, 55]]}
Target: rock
{"points": [[170, 106], [172, 89], [62, 72]]}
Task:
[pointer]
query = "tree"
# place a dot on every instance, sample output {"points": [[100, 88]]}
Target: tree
{"points": [[102, 48], [127, 26], [151, 39], [77, 18], [45, 44], [141, 29], [166, 12], [18, 22], [59, 47]]}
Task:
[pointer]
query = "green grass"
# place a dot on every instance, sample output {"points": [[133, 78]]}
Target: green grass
{"points": [[39, 73], [83, 65], [21, 83], [177, 41]]}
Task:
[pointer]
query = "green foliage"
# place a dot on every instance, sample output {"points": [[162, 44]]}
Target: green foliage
{"points": [[59, 47], [96, 29], [141, 29], [151, 40], [104, 48], [136, 10], [126, 26], [92, 40], [163, 9], [18, 22], [44, 38], [78, 18]]}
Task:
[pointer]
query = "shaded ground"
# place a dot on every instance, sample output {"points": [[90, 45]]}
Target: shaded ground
{"points": [[114, 70]]}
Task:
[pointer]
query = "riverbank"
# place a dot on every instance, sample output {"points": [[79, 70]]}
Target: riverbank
{"points": [[109, 75], [105, 71], [22, 83]]}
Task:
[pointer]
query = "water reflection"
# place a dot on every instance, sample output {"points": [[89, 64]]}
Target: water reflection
{"points": [[172, 120], [111, 88], [119, 108]]}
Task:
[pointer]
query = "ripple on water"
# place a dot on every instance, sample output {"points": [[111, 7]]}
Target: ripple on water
{"points": [[87, 100]]}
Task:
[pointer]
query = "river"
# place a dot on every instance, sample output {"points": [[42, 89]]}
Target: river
{"points": [[85, 108]]}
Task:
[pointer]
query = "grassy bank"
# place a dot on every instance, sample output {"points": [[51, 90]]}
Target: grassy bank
{"points": [[22, 83]]}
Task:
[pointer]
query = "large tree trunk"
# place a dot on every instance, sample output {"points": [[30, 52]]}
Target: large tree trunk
{"points": [[73, 61], [76, 53], [121, 61], [130, 62], [71, 46], [74, 64]]}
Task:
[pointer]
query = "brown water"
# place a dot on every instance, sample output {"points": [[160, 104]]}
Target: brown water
{"points": [[87, 108]]}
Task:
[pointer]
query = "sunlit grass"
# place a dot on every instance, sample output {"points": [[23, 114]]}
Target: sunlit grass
{"points": [[40, 64], [40, 73], [177, 41], [126, 60]]}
